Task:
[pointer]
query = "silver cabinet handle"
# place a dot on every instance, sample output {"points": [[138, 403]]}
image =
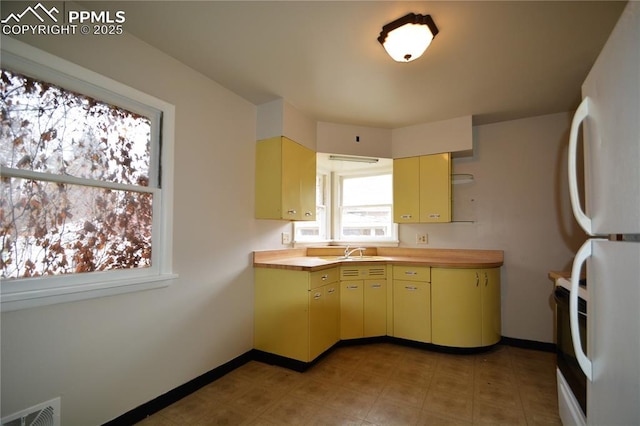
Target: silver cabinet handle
{"points": [[477, 279], [486, 279], [434, 215], [411, 287], [406, 216], [307, 214], [410, 273], [352, 287], [376, 285], [331, 290], [291, 212], [324, 277], [317, 296]]}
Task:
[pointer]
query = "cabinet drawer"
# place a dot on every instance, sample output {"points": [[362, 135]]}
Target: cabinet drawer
{"points": [[412, 273], [326, 276]]}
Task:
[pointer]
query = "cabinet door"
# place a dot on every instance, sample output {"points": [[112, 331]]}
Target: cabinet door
{"points": [[435, 188], [268, 179], [406, 190], [375, 308], [331, 321], [307, 178], [281, 312], [411, 310], [351, 309], [317, 312], [324, 318], [456, 307], [292, 154], [491, 315]]}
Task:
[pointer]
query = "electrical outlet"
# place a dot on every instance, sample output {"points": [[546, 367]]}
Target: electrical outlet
{"points": [[422, 239], [286, 238]]}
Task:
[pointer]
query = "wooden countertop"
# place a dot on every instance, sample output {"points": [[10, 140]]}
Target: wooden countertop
{"points": [[315, 259]]}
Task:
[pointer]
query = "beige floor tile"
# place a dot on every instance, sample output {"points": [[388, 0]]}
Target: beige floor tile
{"points": [[430, 419], [314, 390], [403, 392], [225, 415], [330, 418], [256, 399], [291, 410], [352, 402], [506, 396], [449, 405], [449, 382], [386, 412], [156, 420], [365, 382], [494, 414], [188, 410], [225, 388]]}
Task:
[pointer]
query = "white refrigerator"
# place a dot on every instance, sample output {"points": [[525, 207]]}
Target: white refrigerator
{"points": [[609, 117]]}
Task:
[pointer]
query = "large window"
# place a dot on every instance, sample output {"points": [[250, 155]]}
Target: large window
{"points": [[354, 203], [83, 197], [365, 209]]}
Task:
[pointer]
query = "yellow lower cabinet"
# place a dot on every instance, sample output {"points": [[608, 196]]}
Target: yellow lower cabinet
{"points": [[465, 307], [363, 301], [289, 320], [412, 302], [412, 310]]}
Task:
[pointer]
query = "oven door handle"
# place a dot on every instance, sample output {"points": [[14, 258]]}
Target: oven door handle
{"points": [[581, 257]]}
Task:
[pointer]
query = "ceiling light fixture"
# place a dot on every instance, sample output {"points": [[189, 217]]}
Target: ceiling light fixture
{"points": [[355, 159], [407, 38]]}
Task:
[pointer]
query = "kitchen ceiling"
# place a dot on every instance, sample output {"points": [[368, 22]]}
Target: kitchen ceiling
{"points": [[495, 61]]}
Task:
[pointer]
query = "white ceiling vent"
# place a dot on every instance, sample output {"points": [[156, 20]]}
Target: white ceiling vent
{"points": [[44, 414]]}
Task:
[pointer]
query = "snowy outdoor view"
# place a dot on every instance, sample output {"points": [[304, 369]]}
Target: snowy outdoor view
{"points": [[75, 182]]}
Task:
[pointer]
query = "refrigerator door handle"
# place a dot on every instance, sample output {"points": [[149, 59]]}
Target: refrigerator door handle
{"points": [[580, 259], [581, 114]]}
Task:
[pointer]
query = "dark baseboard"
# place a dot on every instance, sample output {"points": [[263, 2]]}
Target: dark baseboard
{"points": [[143, 411], [529, 344], [140, 413]]}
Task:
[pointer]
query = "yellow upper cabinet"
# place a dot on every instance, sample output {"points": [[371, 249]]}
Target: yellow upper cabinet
{"points": [[422, 189], [285, 180]]}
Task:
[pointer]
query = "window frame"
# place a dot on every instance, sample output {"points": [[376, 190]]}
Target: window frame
{"points": [[24, 293]]}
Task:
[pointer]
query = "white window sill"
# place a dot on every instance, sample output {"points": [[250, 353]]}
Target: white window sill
{"points": [[42, 297], [370, 243]]}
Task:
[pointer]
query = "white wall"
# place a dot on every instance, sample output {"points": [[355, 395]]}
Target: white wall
{"points": [[107, 356], [518, 203], [453, 135]]}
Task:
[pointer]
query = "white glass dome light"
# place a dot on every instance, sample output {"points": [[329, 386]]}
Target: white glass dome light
{"points": [[407, 38]]}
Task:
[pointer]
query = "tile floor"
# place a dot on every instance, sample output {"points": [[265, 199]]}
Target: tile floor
{"points": [[381, 384]]}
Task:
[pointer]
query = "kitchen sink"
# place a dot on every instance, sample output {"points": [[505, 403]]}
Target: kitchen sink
{"points": [[356, 258]]}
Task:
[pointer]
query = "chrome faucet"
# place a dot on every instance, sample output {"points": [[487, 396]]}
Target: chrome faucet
{"points": [[348, 253]]}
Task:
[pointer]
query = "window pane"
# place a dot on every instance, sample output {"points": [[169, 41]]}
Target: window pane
{"points": [[367, 221], [312, 231], [52, 228], [49, 129], [367, 190]]}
